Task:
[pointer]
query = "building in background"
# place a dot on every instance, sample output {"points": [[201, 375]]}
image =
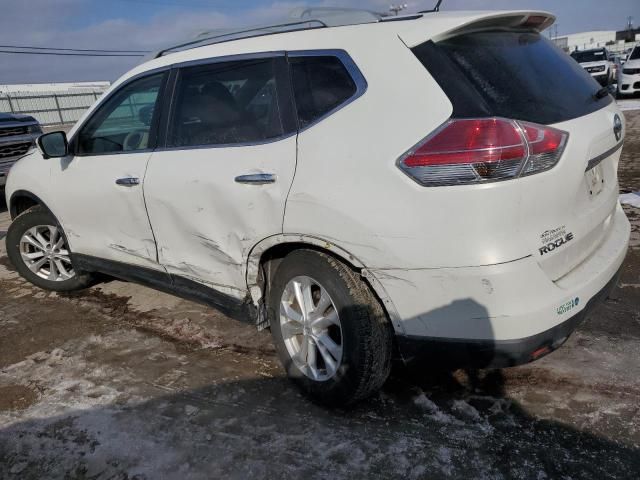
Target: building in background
{"points": [[51, 103], [615, 42], [55, 87]]}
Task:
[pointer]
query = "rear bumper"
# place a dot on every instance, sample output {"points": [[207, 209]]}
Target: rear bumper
{"points": [[456, 353], [499, 315]]}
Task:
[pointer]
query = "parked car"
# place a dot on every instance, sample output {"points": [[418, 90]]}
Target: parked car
{"points": [[616, 62], [420, 186], [17, 136], [629, 78], [596, 61]]}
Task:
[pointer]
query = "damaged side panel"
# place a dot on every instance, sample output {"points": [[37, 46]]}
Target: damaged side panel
{"points": [[205, 222]]}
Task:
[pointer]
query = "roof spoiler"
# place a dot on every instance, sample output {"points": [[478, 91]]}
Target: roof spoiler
{"points": [[538, 21], [457, 23]]}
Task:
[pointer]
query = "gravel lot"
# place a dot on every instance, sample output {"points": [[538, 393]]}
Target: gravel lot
{"points": [[122, 382]]}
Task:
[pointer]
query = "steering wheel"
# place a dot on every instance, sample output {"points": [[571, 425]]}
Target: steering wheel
{"points": [[135, 139]]}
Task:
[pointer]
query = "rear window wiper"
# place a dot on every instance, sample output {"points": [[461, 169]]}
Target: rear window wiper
{"points": [[600, 94]]}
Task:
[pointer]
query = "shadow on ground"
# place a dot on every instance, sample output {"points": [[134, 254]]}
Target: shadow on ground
{"points": [[263, 428], [3, 209]]}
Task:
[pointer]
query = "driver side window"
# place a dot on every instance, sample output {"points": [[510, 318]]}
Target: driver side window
{"points": [[124, 123]]}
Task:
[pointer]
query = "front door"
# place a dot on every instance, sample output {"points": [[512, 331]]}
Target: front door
{"points": [[221, 183], [99, 186]]}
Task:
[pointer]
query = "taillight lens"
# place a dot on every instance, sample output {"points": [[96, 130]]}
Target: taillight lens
{"points": [[472, 151]]}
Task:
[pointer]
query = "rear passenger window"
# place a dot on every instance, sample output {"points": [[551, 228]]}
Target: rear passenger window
{"points": [[225, 104], [320, 84]]}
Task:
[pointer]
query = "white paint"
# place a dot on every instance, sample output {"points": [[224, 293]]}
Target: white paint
{"points": [[455, 303], [100, 218], [204, 222], [630, 82], [458, 262]]}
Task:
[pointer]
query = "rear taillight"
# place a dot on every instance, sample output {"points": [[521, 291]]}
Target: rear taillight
{"points": [[471, 151]]}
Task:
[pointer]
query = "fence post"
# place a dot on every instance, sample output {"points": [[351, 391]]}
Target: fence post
{"points": [[55, 97], [10, 104]]}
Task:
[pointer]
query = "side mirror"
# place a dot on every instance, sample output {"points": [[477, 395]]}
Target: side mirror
{"points": [[53, 145]]}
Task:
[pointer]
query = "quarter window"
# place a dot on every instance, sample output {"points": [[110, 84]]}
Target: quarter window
{"points": [[320, 85], [225, 104], [124, 122]]}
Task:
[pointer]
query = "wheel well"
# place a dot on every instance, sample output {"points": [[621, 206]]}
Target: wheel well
{"points": [[22, 203], [272, 257]]}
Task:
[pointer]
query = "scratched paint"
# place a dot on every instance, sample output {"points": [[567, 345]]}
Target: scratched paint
{"points": [[209, 221]]}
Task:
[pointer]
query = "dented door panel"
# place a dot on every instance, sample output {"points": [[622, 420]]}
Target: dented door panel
{"points": [[205, 222]]}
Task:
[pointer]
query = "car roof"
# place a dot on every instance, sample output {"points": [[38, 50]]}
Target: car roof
{"points": [[299, 19], [413, 30], [357, 27]]}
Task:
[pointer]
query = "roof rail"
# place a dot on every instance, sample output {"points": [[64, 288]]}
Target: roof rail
{"points": [[300, 19], [221, 36]]}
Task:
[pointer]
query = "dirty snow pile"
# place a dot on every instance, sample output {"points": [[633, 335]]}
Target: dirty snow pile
{"points": [[632, 199]]}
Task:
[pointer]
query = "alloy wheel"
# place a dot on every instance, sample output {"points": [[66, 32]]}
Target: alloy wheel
{"points": [[45, 252], [311, 329]]}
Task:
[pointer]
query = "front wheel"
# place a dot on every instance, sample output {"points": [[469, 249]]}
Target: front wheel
{"points": [[38, 249], [331, 333]]}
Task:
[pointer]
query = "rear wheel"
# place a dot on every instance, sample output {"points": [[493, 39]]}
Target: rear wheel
{"points": [[330, 332], [38, 249]]}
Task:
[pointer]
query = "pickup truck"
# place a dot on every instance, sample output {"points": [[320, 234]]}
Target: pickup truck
{"points": [[17, 136]]}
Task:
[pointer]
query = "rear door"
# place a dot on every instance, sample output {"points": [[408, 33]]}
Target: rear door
{"points": [[220, 183]]}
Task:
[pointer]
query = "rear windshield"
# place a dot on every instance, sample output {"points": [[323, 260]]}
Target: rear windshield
{"points": [[589, 56], [518, 75]]}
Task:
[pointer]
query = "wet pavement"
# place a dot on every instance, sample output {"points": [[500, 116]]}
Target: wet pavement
{"points": [[122, 382]]}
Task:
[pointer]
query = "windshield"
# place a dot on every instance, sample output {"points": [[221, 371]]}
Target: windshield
{"points": [[589, 56], [635, 55]]}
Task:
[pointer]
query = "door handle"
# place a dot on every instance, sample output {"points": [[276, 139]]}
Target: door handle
{"points": [[128, 181], [257, 179]]}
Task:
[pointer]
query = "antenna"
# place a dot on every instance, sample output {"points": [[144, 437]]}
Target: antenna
{"points": [[435, 9], [395, 9]]}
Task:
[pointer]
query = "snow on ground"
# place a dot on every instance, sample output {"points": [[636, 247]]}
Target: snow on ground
{"points": [[627, 105]]}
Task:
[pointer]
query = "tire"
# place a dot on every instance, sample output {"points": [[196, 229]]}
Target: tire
{"points": [[39, 217], [365, 334]]}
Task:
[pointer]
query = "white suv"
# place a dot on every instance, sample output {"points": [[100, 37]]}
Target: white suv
{"points": [[629, 76], [597, 62], [417, 186]]}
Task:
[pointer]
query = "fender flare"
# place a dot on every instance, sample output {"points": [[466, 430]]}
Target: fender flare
{"points": [[256, 253], [24, 193]]}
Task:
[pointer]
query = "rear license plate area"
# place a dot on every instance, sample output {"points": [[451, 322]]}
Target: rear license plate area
{"points": [[595, 180]]}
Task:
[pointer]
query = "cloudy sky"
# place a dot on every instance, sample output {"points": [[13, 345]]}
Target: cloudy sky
{"points": [[146, 24]]}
